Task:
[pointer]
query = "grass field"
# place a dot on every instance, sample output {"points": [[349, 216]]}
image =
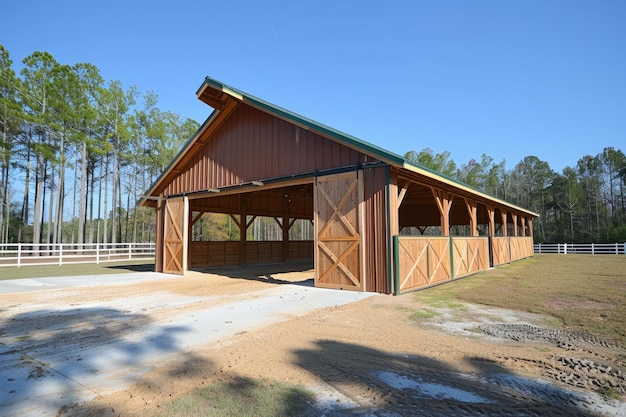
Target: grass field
{"points": [[582, 292], [75, 269]]}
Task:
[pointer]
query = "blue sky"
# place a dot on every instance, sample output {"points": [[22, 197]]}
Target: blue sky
{"points": [[505, 78]]}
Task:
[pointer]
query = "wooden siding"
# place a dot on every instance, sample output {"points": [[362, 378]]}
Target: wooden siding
{"points": [[521, 247], [501, 250], [470, 255], [376, 230], [425, 261], [227, 253], [510, 249], [252, 145]]}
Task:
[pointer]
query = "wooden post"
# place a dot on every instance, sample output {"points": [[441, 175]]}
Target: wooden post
{"points": [[395, 200], [523, 219], [285, 226], [471, 210], [515, 233], [530, 227], [444, 203], [186, 234], [491, 211], [503, 216], [160, 238]]}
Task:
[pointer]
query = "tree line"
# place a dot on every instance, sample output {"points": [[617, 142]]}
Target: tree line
{"points": [[77, 152], [585, 202]]}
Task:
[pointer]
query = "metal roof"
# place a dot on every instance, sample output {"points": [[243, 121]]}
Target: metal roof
{"points": [[217, 95]]}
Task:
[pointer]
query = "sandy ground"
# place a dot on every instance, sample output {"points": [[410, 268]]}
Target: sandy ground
{"points": [[126, 348]]}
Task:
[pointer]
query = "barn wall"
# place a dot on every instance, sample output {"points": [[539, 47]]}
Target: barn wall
{"points": [[376, 229], [225, 253], [253, 145]]}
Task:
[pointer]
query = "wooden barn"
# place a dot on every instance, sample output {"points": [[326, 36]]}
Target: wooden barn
{"points": [[379, 222]]}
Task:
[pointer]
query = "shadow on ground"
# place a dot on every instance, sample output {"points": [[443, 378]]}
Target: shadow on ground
{"points": [[133, 267], [52, 360], [268, 273], [382, 384]]}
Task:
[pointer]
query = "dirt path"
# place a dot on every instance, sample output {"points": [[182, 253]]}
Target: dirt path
{"points": [[365, 357]]}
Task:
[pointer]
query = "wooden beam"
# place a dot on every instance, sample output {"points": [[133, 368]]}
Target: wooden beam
{"points": [[186, 228], [523, 219], [503, 217], [402, 193], [471, 210], [515, 233], [160, 237], [491, 211], [247, 188], [530, 227], [285, 246], [195, 219], [444, 203]]}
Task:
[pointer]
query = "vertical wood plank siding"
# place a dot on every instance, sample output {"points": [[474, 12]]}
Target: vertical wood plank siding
{"points": [[223, 253], [252, 145], [376, 244]]}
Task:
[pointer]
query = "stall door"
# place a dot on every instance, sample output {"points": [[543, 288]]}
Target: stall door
{"points": [[338, 232], [175, 236]]}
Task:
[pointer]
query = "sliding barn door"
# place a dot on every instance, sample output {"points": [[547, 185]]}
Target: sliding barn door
{"points": [[175, 235], [338, 232]]}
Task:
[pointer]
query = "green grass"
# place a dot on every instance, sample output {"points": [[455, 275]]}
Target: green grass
{"points": [[242, 397], [37, 271], [581, 292]]}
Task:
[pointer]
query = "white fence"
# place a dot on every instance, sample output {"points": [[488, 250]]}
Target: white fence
{"points": [[584, 248], [22, 254]]}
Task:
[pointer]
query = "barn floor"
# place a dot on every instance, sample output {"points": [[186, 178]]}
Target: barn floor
{"points": [[131, 343]]}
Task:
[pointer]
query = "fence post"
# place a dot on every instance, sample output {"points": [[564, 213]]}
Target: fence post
{"points": [[130, 251], [540, 248], [593, 251], [19, 254], [565, 248], [60, 253], [97, 253]]}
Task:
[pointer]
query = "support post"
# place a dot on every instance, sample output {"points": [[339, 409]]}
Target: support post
{"points": [[186, 229], [491, 211], [444, 203], [160, 237], [471, 210]]}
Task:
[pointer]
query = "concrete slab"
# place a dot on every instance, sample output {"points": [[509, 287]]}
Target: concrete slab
{"points": [[57, 355], [34, 284]]}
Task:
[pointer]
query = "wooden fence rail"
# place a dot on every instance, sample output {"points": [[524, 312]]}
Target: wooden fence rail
{"points": [[23, 254], [582, 248]]}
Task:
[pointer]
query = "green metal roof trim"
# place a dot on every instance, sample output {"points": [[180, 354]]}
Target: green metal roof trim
{"points": [[352, 141], [378, 152]]}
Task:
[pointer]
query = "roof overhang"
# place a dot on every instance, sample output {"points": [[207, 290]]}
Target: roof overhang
{"points": [[224, 99]]}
